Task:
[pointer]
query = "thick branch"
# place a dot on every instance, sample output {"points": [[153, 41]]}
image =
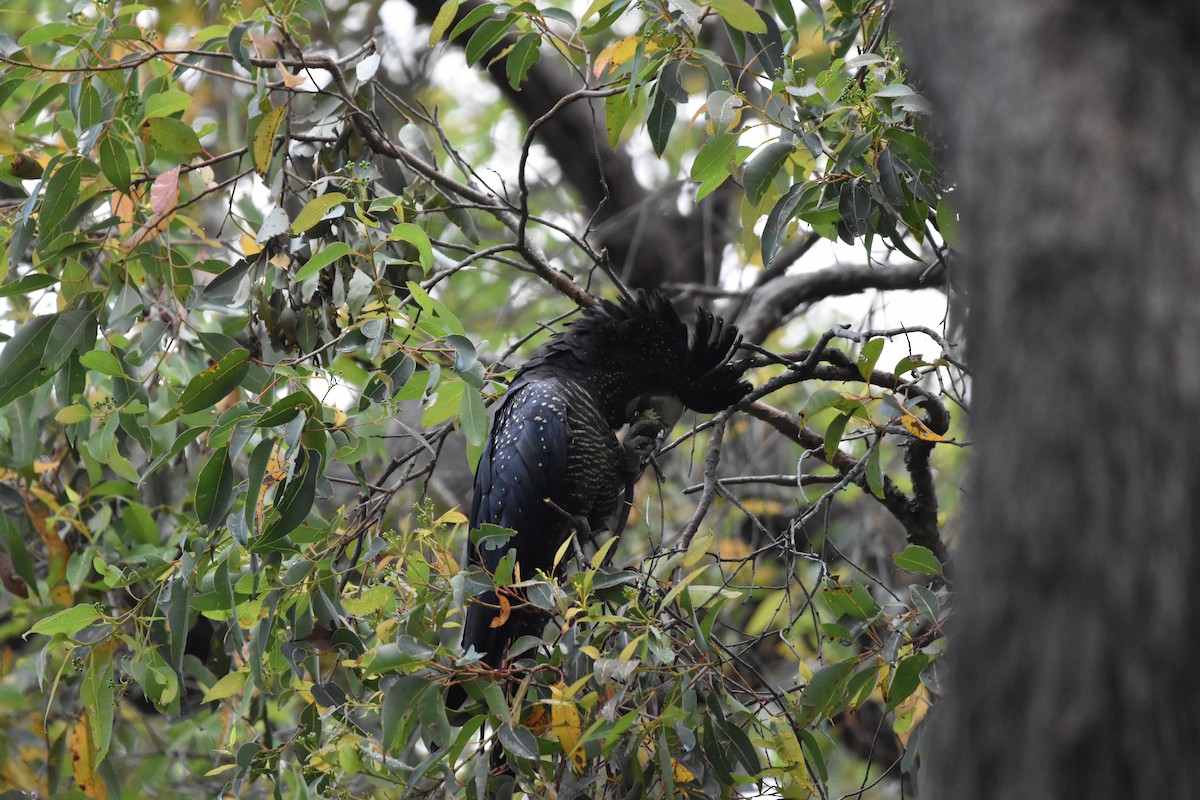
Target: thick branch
{"points": [[776, 299], [648, 240]]}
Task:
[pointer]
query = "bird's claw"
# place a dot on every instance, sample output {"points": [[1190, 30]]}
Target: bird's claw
{"points": [[641, 443]]}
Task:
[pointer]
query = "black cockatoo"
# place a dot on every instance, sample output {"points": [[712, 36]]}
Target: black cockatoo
{"points": [[552, 462]]}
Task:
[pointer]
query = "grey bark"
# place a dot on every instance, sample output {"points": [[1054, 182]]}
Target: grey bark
{"points": [[1071, 132]]}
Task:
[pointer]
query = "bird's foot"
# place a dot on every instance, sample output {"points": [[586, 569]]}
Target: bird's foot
{"points": [[579, 525], [641, 443]]}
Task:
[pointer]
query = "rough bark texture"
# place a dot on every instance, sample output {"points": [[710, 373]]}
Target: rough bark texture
{"points": [[1071, 129]]}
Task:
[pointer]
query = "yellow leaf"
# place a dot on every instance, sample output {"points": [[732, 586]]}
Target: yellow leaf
{"points": [[919, 429], [602, 553], [83, 760], [616, 54], [698, 548], [538, 721], [249, 246], [263, 142], [442, 21], [227, 686], [791, 757], [628, 650], [679, 587], [566, 725], [276, 467], [451, 517], [682, 773], [41, 467], [315, 210], [371, 601], [563, 548]]}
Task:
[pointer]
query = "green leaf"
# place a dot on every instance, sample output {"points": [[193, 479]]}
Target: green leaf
{"points": [[518, 741], [815, 7], [741, 746], [285, 409], [140, 522], [778, 219], [894, 90], [18, 552], [321, 259], [98, 695], [825, 692], [916, 558], [853, 600], [397, 368], [315, 210], [73, 413], [661, 119], [19, 166], [176, 602], [74, 330], [399, 703], [173, 136], [906, 679], [211, 385], [48, 32], [431, 305], [255, 473], [67, 621], [236, 48], [446, 404], [485, 37], [167, 103], [408, 232], [761, 170], [294, 502], [714, 156], [473, 18], [214, 489], [868, 356], [30, 283], [740, 15], [715, 752], [60, 195], [874, 472], [525, 53], [947, 222], [833, 434], [114, 161], [21, 359], [854, 208], [473, 416], [103, 362], [913, 147], [925, 602]]}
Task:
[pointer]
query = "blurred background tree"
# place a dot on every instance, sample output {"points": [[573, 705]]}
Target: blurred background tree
{"points": [[266, 267]]}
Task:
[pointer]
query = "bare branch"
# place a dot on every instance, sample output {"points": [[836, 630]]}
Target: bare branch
{"points": [[776, 299]]}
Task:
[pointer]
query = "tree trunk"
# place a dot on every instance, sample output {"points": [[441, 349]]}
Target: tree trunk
{"points": [[1071, 134]]}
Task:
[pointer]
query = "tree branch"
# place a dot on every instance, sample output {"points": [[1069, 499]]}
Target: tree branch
{"points": [[776, 299]]}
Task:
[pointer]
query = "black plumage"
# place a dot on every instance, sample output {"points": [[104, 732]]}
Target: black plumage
{"points": [[552, 462]]}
